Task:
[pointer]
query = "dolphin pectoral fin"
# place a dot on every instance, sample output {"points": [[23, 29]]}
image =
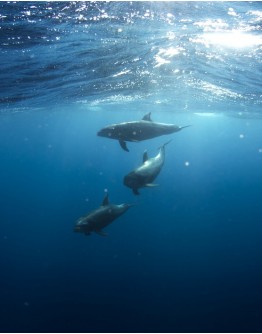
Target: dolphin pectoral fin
{"points": [[151, 185], [145, 156], [123, 145], [147, 117], [136, 192], [102, 233]]}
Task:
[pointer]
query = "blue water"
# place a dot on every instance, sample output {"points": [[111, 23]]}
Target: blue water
{"points": [[187, 256]]}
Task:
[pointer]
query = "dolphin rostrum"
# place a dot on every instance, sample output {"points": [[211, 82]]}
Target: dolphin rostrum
{"points": [[96, 220], [144, 175], [136, 131]]}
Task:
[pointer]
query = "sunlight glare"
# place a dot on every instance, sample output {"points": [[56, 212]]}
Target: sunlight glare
{"points": [[233, 39]]}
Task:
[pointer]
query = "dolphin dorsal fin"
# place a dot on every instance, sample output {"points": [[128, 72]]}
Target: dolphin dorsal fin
{"points": [[147, 117], [145, 156], [105, 200]]}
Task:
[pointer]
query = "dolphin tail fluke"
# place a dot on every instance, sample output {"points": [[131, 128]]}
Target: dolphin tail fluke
{"points": [[162, 146], [167, 142], [102, 233], [123, 145], [183, 127]]}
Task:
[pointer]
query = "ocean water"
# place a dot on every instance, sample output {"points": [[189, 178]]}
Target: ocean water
{"points": [[188, 256]]}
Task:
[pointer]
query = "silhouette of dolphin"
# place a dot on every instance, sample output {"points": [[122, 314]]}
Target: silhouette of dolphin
{"points": [[144, 175], [96, 220], [136, 131]]}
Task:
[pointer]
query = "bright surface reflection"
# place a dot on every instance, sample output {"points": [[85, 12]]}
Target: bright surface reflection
{"points": [[233, 39]]}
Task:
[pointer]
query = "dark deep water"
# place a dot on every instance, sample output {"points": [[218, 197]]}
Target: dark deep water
{"points": [[188, 256]]}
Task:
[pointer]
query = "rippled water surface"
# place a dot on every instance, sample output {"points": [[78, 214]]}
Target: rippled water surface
{"points": [[184, 55]]}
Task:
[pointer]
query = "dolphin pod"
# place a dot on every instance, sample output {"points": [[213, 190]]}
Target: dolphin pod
{"points": [[136, 131], [142, 176]]}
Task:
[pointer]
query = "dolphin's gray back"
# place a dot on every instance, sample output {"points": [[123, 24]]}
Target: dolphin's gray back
{"points": [[141, 130], [103, 216], [152, 167]]}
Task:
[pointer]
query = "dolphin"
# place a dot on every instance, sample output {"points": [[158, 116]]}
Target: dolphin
{"points": [[136, 131], [96, 220], [144, 175]]}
